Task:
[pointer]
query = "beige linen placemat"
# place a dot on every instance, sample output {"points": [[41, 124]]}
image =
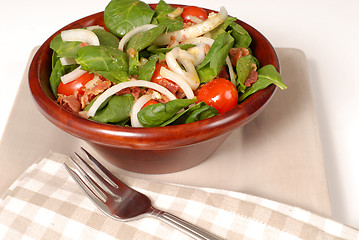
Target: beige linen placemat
{"points": [[45, 203], [288, 166]]}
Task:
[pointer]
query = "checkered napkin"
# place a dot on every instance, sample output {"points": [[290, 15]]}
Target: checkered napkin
{"points": [[45, 203]]}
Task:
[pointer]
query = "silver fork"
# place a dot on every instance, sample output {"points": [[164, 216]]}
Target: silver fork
{"points": [[120, 202]]}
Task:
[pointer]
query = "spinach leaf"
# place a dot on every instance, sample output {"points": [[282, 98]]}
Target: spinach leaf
{"points": [[195, 113], [107, 61], [161, 17], [244, 67], [117, 109], [139, 42], [222, 27], [54, 59], [64, 49], [106, 38], [147, 70], [240, 35], [57, 72], [216, 57], [155, 115], [121, 16], [103, 104], [158, 49], [266, 75]]}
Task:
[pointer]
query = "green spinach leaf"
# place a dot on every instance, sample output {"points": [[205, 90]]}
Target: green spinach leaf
{"points": [[158, 49], [266, 75], [222, 27], [155, 115], [240, 35], [64, 49], [139, 42], [244, 67], [216, 57], [117, 109], [57, 72], [161, 17], [107, 61], [121, 16], [195, 113], [106, 38]]}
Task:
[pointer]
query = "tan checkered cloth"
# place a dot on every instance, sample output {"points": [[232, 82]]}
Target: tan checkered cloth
{"points": [[45, 203]]}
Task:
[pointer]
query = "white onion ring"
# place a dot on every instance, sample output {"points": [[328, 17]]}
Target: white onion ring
{"points": [[69, 77], [133, 32], [67, 61], [195, 30], [136, 108], [186, 59], [80, 35], [179, 80], [118, 87]]}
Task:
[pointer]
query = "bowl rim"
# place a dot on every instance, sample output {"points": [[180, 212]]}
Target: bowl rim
{"points": [[131, 137]]}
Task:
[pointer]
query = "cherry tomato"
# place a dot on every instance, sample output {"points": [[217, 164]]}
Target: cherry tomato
{"points": [[150, 102], [157, 78], [77, 84], [195, 12], [219, 93]]}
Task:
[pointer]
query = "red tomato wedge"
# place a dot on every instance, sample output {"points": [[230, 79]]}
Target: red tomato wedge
{"points": [[219, 93], [76, 85], [193, 11]]}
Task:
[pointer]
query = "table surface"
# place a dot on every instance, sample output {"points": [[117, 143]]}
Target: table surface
{"points": [[326, 31]]}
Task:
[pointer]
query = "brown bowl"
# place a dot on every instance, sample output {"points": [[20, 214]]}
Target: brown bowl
{"points": [[149, 150]]}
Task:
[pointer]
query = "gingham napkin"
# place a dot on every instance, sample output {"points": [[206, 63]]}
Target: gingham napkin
{"points": [[45, 203]]}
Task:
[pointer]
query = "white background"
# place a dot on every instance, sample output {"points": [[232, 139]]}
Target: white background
{"points": [[326, 31]]}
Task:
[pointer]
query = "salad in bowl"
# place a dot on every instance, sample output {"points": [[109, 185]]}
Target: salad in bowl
{"points": [[156, 67]]}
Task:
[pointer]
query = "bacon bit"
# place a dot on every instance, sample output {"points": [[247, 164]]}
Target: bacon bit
{"points": [[96, 89], [70, 103], [206, 48], [131, 52], [135, 91], [171, 86], [252, 77], [173, 42], [180, 94], [83, 114], [237, 53], [83, 44], [223, 73]]}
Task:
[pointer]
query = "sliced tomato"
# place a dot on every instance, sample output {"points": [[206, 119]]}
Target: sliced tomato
{"points": [[193, 11], [150, 102], [219, 93], [76, 85], [157, 78]]}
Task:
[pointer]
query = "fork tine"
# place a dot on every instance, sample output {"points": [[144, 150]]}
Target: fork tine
{"points": [[104, 170], [90, 193], [110, 186], [91, 182]]}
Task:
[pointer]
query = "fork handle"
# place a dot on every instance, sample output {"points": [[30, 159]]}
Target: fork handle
{"points": [[184, 226]]}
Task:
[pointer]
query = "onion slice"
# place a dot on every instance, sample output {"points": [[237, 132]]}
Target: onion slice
{"points": [[232, 75], [186, 59], [80, 35], [118, 87], [69, 77], [137, 106], [195, 30], [133, 32], [67, 61], [179, 80]]}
